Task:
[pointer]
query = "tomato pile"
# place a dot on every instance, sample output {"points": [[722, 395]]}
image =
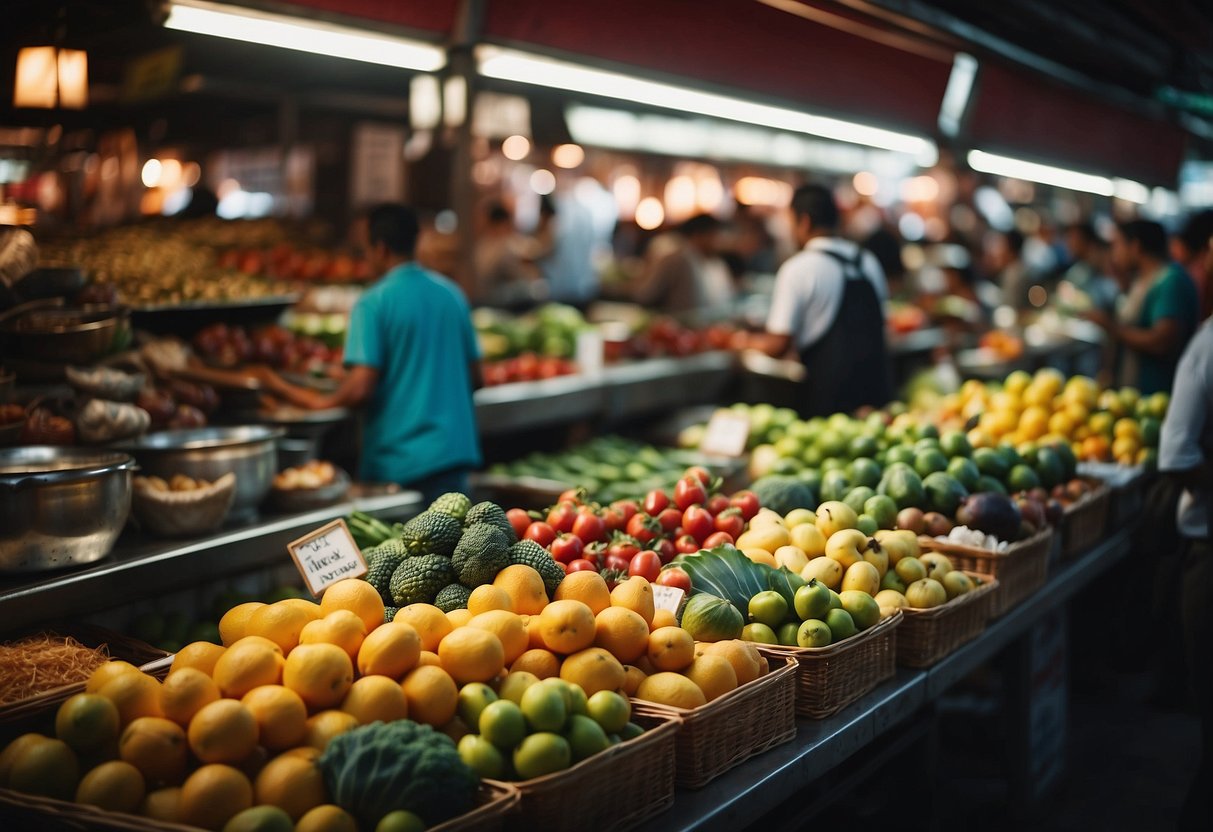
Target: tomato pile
{"points": [[638, 537]]}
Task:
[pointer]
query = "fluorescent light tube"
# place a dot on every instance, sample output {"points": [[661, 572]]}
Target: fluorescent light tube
{"points": [[303, 35], [997, 165], [526, 68]]}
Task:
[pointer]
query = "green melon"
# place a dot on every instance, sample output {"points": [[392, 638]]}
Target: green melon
{"points": [[708, 618]]}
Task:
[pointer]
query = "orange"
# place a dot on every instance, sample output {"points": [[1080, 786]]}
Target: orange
{"points": [[106, 672], [390, 650], [341, 628], [432, 695], [87, 722], [428, 659], [327, 818], [592, 670], [281, 623], [14, 750], [223, 732], [292, 783], [670, 648], [376, 699], [233, 626], [489, 597], [429, 622], [508, 628], [632, 677], [566, 625], [313, 610], [671, 689], [320, 673], [280, 714], [662, 618], [589, 588], [200, 655], [471, 654], [213, 794], [157, 747], [636, 594], [742, 655], [357, 596], [543, 663], [713, 674], [247, 664], [623, 633], [525, 588], [325, 725], [116, 786], [44, 767], [134, 695], [185, 692], [162, 804], [533, 634], [459, 618]]}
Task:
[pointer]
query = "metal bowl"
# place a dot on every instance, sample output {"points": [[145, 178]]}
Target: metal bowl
{"points": [[61, 506], [250, 452], [72, 335]]}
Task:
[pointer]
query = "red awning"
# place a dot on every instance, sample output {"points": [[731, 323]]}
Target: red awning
{"points": [[1027, 116]]}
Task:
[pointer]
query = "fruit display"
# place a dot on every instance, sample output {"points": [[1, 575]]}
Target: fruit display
{"points": [[528, 366], [232, 346], [661, 336], [550, 331], [286, 261], [608, 468], [314, 474]]}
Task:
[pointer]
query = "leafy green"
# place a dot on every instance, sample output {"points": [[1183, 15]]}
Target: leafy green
{"points": [[785, 582], [726, 573]]}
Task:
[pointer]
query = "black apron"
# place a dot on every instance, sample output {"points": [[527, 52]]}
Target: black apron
{"points": [[848, 366]]}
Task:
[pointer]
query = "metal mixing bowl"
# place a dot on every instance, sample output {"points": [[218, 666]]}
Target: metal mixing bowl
{"points": [[250, 452], [52, 333], [61, 506]]}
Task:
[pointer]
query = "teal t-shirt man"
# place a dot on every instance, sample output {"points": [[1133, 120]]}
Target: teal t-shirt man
{"points": [[413, 362], [1172, 296]]}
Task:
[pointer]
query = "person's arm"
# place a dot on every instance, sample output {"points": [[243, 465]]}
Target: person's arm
{"points": [[357, 386], [783, 317], [1161, 339]]}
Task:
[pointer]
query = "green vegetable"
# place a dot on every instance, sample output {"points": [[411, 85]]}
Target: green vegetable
{"points": [[493, 515], [368, 531], [417, 580], [452, 503], [383, 561], [431, 533], [708, 618], [726, 573], [782, 494], [483, 551], [452, 597]]}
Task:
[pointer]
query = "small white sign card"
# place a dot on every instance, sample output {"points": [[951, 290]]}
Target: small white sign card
{"points": [[726, 434], [326, 556], [667, 598]]}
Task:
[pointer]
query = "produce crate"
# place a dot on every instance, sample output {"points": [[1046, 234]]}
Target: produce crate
{"points": [[926, 636], [830, 678], [1128, 484], [1021, 570], [729, 730], [494, 802], [615, 789], [1083, 523]]}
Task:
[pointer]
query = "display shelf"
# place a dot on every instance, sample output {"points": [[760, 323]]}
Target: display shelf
{"points": [[140, 568]]}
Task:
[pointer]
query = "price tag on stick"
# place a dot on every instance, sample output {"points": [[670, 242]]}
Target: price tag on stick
{"points": [[668, 598], [726, 434], [326, 556]]}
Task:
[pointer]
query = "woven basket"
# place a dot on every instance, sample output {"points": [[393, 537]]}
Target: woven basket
{"points": [[830, 678], [727, 731], [1084, 521], [615, 789], [926, 636], [1021, 570], [495, 801]]}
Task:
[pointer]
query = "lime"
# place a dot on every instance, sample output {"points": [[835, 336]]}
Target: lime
{"points": [[1022, 478], [867, 524], [515, 685], [481, 756], [768, 608], [545, 707], [787, 634], [401, 820], [759, 634], [473, 698], [864, 471], [585, 737], [964, 470], [882, 509], [857, 497], [542, 753], [503, 723], [260, 819], [841, 624], [610, 710]]}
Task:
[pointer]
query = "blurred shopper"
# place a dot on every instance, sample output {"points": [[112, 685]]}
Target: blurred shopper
{"points": [[1086, 271], [413, 361], [1159, 313], [1192, 248], [829, 304], [1187, 436], [1010, 272], [686, 274], [504, 277], [568, 236]]}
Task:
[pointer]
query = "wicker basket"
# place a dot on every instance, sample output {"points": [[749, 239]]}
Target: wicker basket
{"points": [[926, 636], [495, 801], [1021, 570], [830, 678], [615, 789], [744, 722], [1084, 521]]}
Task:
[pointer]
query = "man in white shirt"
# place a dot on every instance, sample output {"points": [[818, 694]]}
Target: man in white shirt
{"points": [[1184, 453], [829, 306]]}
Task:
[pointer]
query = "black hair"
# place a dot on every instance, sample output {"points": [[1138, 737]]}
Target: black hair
{"points": [[1015, 240], [1151, 236], [1197, 231], [1086, 231], [498, 213], [395, 225], [817, 203], [700, 224]]}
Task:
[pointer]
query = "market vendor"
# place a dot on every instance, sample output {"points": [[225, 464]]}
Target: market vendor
{"points": [[829, 305], [1159, 313], [413, 362]]}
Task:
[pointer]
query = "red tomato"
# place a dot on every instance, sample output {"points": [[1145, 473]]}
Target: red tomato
{"points": [[747, 501], [655, 502], [624, 547], [616, 562], [731, 521], [670, 519], [665, 550], [520, 520], [686, 545], [567, 548], [613, 519], [700, 473], [589, 527], [595, 552], [541, 533], [646, 564], [698, 523], [562, 516], [576, 496], [581, 565], [643, 528], [718, 539], [688, 492], [676, 577], [716, 504], [627, 508]]}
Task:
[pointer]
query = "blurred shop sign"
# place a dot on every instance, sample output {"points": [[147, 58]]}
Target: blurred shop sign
{"points": [[377, 164], [152, 75]]}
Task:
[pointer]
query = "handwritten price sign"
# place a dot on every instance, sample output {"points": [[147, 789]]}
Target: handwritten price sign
{"points": [[326, 556]]}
